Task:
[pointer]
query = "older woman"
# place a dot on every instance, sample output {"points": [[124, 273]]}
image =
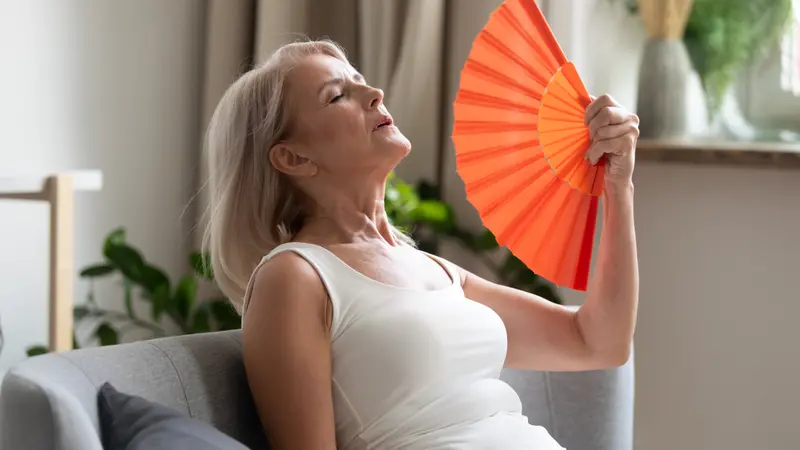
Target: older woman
{"points": [[353, 338]]}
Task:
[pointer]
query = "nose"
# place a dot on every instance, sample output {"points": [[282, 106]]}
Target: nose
{"points": [[373, 97]]}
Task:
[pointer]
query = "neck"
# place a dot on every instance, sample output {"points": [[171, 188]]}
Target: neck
{"points": [[348, 213]]}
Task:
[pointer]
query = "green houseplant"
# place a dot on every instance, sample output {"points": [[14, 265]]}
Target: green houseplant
{"points": [[415, 210]]}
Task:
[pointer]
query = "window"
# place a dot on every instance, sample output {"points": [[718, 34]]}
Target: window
{"points": [[790, 55]]}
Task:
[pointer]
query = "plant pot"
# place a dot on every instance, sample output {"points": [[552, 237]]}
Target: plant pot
{"points": [[670, 102]]}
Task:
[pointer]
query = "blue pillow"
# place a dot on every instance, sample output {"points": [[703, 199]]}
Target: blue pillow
{"points": [[128, 422]]}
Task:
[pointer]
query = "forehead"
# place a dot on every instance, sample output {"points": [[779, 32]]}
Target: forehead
{"points": [[314, 70]]}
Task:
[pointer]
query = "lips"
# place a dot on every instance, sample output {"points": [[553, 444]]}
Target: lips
{"points": [[383, 121]]}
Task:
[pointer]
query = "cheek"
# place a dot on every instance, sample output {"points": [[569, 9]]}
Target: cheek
{"points": [[340, 127]]}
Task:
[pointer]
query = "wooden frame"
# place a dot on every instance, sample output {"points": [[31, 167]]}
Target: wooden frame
{"points": [[58, 190]]}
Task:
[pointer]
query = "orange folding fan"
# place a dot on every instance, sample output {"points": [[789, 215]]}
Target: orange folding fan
{"points": [[520, 141]]}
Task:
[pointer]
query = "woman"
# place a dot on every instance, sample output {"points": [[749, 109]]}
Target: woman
{"points": [[354, 339]]}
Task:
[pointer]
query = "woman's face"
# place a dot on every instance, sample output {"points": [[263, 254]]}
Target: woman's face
{"points": [[339, 122]]}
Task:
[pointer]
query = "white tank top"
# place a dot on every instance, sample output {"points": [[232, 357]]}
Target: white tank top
{"points": [[415, 369]]}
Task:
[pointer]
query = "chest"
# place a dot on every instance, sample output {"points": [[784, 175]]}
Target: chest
{"points": [[399, 267]]}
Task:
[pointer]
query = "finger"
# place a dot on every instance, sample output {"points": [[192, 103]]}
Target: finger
{"points": [[597, 150], [611, 115], [616, 130], [597, 105]]}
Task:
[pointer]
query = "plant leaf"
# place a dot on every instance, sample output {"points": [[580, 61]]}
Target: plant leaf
{"points": [[159, 302], [106, 334], [547, 292], [185, 293], [152, 277], [37, 350], [128, 260], [80, 311], [200, 322], [96, 270], [511, 265], [114, 238], [485, 241], [127, 288], [201, 263], [224, 314], [432, 212]]}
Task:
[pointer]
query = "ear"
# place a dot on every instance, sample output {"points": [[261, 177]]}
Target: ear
{"points": [[286, 159]]}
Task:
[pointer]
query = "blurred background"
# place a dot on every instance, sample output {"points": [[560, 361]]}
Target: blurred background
{"points": [[124, 90]]}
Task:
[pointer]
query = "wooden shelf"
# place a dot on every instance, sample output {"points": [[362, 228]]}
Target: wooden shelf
{"points": [[782, 155]]}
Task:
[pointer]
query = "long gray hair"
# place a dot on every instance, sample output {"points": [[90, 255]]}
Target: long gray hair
{"points": [[252, 207]]}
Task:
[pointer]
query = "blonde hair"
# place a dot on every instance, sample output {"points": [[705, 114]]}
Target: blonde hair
{"points": [[252, 207]]}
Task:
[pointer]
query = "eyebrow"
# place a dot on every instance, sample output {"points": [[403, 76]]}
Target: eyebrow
{"points": [[339, 80]]}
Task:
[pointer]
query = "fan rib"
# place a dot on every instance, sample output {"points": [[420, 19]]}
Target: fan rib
{"points": [[598, 175], [478, 99], [486, 72], [495, 43], [501, 200], [545, 107], [585, 259], [549, 229], [555, 144], [579, 129], [571, 74], [511, 233], [486, 126], [512, 21], [568, 102], [482, 183], [463, 159], [560, 266], [539, 23]]}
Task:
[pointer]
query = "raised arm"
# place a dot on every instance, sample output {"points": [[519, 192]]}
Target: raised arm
{"points": [[287, 355]]}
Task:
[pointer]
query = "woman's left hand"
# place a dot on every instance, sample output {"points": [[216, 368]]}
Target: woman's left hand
{"points": [[613, 131]]}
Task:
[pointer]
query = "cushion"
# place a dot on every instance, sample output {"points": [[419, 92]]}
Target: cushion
{"points": [[128, 422]]}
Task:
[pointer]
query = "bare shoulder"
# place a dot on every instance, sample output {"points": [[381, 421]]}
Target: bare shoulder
{"points": [[285, 283]]}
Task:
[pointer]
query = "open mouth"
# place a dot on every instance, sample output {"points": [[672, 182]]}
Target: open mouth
{"points": [[384, 123]]}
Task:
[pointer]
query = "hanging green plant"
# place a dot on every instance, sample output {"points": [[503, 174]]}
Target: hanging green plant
{"points": [[723, 37]]}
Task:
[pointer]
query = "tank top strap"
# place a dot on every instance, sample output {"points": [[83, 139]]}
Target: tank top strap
{"points": [[334, 274]]}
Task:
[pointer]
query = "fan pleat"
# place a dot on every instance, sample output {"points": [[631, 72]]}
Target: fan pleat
{"points": [[483, 126], [563, 100], [491, 101], [539, 23], [498, 79], [492, 153], [537, 170], [493, 178], [542, 52], [520, 140]]}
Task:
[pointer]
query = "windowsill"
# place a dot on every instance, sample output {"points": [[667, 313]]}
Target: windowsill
{"points": [[781, 155]]}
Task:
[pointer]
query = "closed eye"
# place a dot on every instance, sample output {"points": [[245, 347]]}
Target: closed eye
{"points": [[337, 98]]}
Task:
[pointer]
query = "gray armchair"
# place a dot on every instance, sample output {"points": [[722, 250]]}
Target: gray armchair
{"points": [[49, 401]]}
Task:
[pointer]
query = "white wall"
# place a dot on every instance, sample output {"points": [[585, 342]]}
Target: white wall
{"points": [[717, 360], [101, 85]]}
